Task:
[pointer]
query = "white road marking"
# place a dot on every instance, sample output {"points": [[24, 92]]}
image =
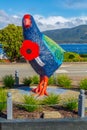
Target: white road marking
{"points": [[65, 66], [79, 71], [61, 71], [65, 71]]}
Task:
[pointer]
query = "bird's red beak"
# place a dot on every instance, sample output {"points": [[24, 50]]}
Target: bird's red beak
{"points": [[27, 21]]}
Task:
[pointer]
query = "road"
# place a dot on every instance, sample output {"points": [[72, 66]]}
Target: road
{"points": [[77, 69], [24, 69]]}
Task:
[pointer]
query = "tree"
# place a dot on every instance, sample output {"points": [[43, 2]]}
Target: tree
{"points": [[11, 37]]}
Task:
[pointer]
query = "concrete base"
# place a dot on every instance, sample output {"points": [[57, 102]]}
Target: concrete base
{"points": [[44, 124], [55, 90]]}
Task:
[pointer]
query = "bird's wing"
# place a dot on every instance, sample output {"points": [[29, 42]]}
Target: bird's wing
{"points": [[56, 50]]}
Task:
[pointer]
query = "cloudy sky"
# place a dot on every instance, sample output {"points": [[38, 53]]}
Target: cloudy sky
{"points": [[49, 14]]}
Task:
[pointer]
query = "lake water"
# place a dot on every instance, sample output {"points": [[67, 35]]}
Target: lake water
{"points": [[80, 48]]}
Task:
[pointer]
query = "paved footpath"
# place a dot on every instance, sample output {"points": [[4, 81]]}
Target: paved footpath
{"points": [[17, 93], [74, 70]]}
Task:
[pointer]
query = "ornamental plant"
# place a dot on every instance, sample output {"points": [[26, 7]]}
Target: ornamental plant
{"points": [[64, 81], [8, 81], [3, 97], [83, 84], [71, 103], [30, 103], [35, 79], [51, 81], [27, 81], [52, 99]]}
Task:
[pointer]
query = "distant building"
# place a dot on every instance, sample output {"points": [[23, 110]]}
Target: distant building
{"points": [[2, 53]]}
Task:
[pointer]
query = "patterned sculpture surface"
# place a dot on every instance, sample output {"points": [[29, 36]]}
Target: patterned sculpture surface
{"points": [[44, 55]]}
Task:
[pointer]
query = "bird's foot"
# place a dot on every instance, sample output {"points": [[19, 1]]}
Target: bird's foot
{"points": [[40, 92], [43, 92], [41, 89], [35, 90]]}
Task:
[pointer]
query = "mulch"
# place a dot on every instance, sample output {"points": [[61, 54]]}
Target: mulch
{"points": [[20, 113]]}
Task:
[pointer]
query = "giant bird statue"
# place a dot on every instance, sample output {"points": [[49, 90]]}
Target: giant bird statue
{"points": [[44, 54]]}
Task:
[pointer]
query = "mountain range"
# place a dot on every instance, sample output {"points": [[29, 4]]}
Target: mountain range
{"points": [[76, 34]]}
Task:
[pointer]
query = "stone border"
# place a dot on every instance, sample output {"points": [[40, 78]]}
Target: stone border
{"points": [[44, 124]]}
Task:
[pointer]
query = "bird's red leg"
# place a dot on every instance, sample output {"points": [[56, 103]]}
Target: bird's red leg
{"points": [[40, 86], [43, 90]]}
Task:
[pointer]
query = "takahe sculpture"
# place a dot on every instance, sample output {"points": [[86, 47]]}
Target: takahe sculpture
{"points": [[44, 54]]}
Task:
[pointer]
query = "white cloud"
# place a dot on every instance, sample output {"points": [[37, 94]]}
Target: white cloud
{"points": [[50, 20], [44, 23], [57, 22], [6, 19]]}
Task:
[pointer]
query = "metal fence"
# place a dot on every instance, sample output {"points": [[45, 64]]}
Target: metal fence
{"points": [[81, 105], [20, 71]]}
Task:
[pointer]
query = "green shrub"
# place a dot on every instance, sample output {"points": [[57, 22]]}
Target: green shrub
{"points": [[52, 99], [8, 81], [27, 81], [83, 55], [1, 60], [51, 81], [71, 104], [64, 81], [85, 59], [72, 57], [3, 96], [30, 103], [35, 79], [83, 84]]}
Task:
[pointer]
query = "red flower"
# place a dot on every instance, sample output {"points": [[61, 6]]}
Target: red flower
{"points": [[29, 49]]}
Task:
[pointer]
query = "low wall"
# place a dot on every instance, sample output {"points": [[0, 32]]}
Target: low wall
{"points": [[44, 124]]}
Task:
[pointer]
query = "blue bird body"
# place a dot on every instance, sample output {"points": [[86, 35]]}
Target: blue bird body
{"points": [[47, 62], [50, 54]]}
